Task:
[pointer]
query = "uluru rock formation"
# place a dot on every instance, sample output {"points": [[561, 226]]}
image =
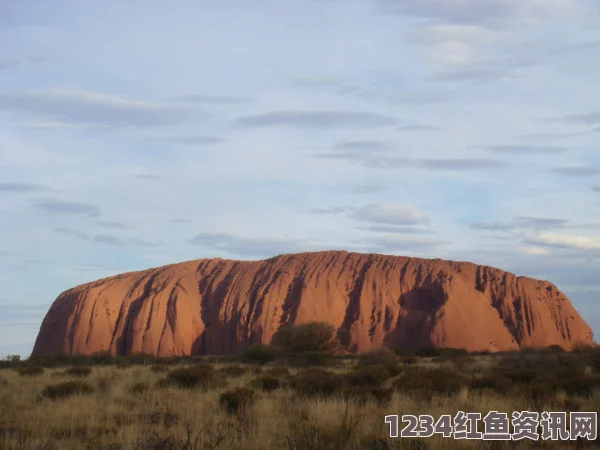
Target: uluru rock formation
{"points": [[216, 306]]}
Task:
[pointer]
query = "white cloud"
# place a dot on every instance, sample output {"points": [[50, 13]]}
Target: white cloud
{"points": [[533, 250], [466, 34], [452, 53], [455, 44], [567, 240], [391, 214]]}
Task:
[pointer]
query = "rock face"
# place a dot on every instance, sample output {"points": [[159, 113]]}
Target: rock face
{"points": [[216, 306]]}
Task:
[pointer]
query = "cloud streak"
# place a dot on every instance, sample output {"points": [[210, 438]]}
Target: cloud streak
{"points": [[73, 233], [92, 108], [22, 187], [526, 149], [331, 210], [434, 164], [105, 238], [65, 207], [567, 241], [342, 88], [522, 222], [115, 225], [190, 140], [591, 119], [318, 119], [108, 239], [212, 99], [391, 229], [577, 171], [360, 146]]}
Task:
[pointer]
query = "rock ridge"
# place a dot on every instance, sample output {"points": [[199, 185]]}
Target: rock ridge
{"points": [[219, 306]]}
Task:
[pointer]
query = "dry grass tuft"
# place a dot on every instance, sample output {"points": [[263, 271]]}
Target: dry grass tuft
{"points": [[66, 389]]}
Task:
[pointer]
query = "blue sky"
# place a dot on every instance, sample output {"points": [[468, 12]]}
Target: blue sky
{"points": [[141, 133]]}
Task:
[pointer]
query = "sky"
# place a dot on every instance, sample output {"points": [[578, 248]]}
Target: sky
{"points": [[142, 133]]}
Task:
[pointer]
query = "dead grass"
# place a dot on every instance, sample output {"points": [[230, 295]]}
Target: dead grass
{"points": [[223, 406]]}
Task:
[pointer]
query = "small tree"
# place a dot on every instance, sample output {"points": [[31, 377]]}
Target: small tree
{"points": [[284, 338], [308, 337]]}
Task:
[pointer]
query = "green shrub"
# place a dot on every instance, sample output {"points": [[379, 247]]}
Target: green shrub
{"points": [[10, 361], [543, 360], [259, 354], [66, 389], [45, 360], [519, 375], [310, 358], [449, 352], [570, 365], [404, 351], [593, 358], [30, 371], [378, 357], [14, 359], [200, 376], [233, 371], [237, 401], [317, 382], [77, 371], [266, 383], [425, 352], [367, 376]]}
